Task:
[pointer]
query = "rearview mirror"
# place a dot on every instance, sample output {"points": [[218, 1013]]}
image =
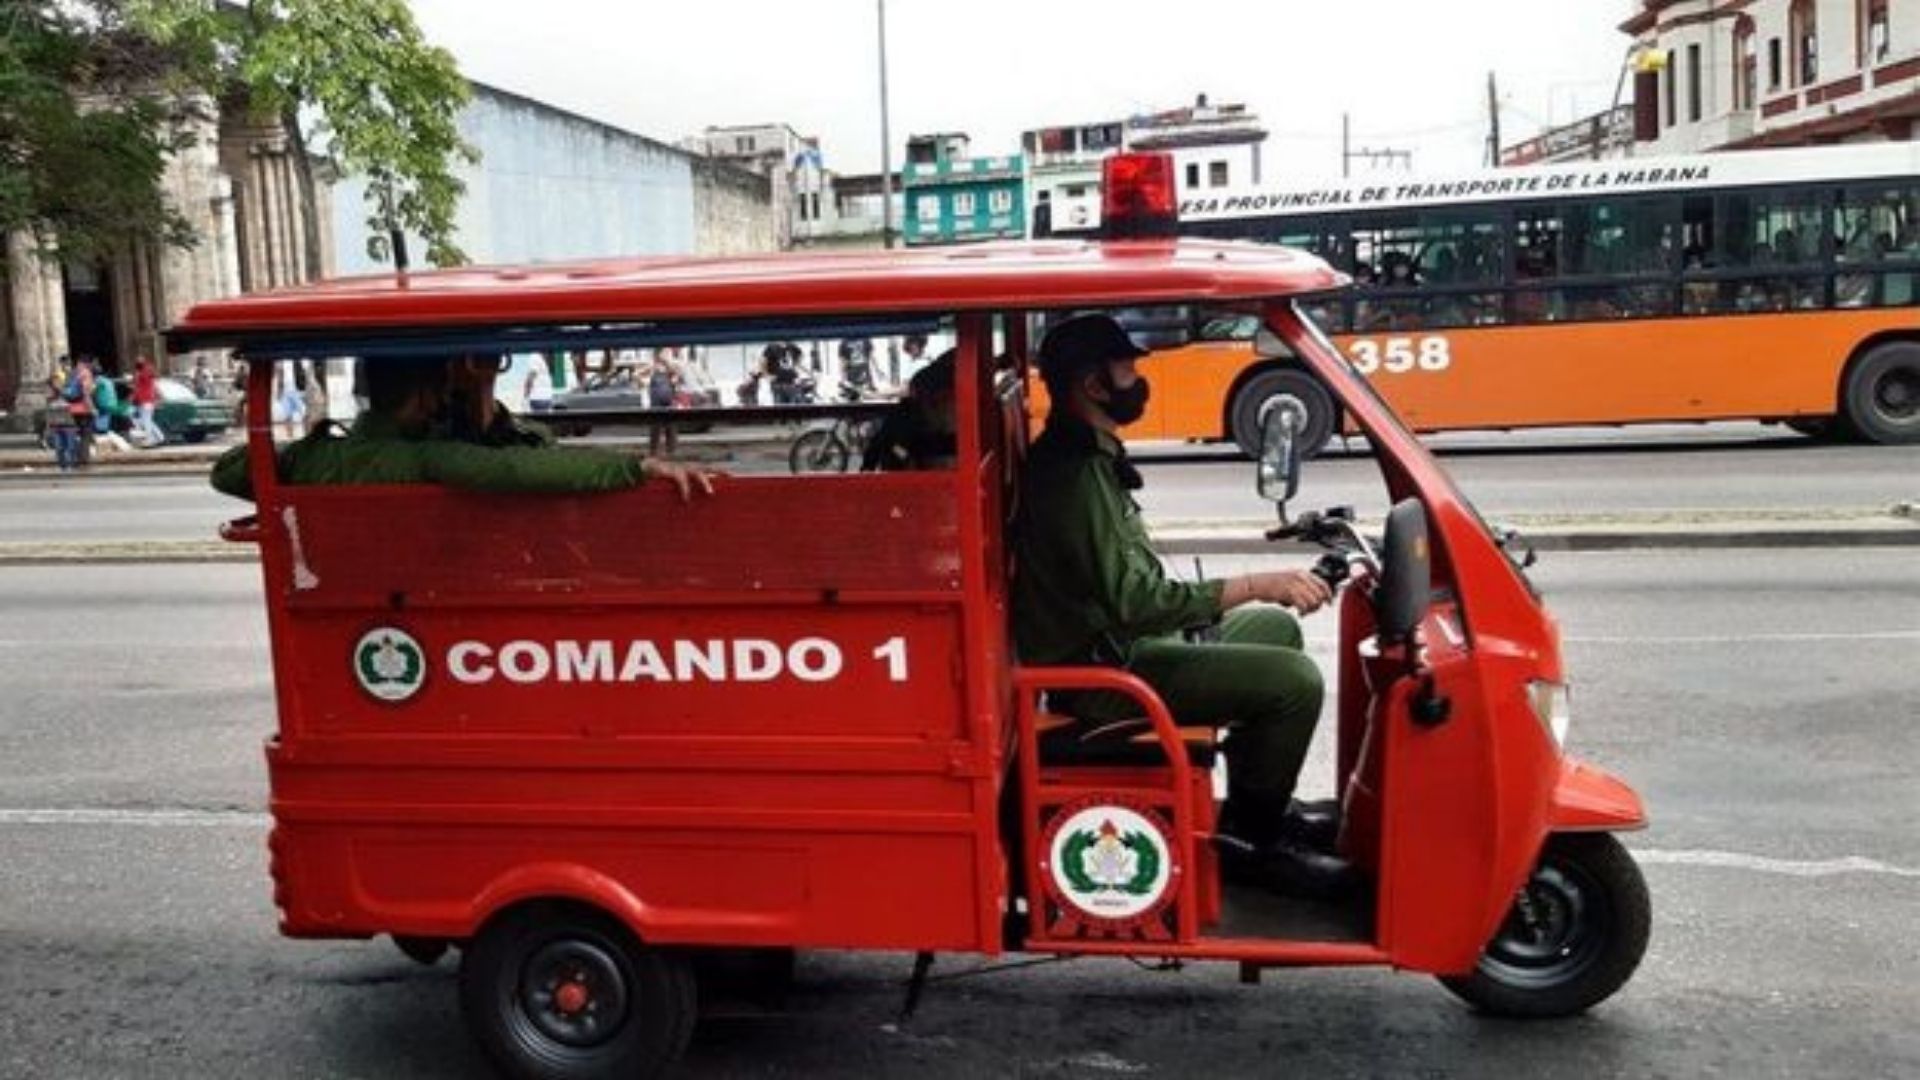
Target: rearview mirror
{"points": [[1278, 475]]}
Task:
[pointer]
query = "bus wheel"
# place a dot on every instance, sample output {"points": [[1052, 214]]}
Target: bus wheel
{"points": [[1575, 934], [563, 994], [1292, 387], [1882, 396]]}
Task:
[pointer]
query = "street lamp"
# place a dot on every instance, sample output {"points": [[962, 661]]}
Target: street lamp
{"points": [[886, 140]]}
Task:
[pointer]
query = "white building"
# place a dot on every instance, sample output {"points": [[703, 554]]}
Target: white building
{"points": [[775, 151], [1735, 74], [1213, 147]]}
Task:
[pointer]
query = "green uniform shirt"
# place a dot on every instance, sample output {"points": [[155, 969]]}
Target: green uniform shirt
{"points": [[1087, 584], [375, 451]]}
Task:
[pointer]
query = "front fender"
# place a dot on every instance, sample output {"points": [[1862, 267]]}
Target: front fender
{"points": [[1589, 799]]}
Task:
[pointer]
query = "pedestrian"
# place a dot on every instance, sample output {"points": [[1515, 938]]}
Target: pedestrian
{"points": [[78, 394], [146, 397], [202, 378], [289, 398], [63, 434], [538, 390], [314, 394], [663, 385]]}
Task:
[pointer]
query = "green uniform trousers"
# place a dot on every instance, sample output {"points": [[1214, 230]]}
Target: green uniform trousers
{"points": [[1256, 682]]}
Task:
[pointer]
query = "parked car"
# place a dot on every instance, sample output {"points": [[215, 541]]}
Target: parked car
{"points": [[182, 415], [626, 388]]}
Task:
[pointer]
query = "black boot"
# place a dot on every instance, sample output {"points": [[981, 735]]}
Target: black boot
{"points": [[1313, 824], [1265, 843]]}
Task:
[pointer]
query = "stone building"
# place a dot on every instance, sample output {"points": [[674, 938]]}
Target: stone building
{"points": [[234, 183], [550, 185]]}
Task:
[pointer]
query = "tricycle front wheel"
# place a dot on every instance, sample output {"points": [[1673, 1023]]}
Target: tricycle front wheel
{"points": [[1575, 935], [567, 994]]}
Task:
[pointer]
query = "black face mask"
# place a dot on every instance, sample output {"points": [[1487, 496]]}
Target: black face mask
{"points": [[1125, 405]]}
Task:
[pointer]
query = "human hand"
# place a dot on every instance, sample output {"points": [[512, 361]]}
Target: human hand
{"points": [[1301, 590], [684, 477]]}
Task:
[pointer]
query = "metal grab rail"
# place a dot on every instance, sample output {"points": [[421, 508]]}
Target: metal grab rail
{"points": [[1029, 683]]}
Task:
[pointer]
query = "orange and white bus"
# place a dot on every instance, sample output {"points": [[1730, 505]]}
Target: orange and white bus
{"points": [[1778, 285]]}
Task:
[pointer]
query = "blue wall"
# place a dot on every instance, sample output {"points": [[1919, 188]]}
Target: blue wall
{"points": [[549, 185]]}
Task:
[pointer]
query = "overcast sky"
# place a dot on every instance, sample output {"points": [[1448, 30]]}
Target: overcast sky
{"points": [[1411, 72]]}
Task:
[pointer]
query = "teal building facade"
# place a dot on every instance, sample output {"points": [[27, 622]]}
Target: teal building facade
{"points": [[950, 197]]}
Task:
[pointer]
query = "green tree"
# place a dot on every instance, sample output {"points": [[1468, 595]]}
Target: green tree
{"points": [[353, 79], [84, 131]]}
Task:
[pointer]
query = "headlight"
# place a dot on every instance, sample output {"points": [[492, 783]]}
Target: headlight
{"points": [[1554, 706]]}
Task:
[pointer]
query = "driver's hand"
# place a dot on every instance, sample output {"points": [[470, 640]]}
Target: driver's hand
{"points": [[685, 477], [1300, 590]]}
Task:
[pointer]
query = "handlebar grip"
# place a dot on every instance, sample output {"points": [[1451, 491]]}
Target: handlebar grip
{"points": [[1333, 570]]}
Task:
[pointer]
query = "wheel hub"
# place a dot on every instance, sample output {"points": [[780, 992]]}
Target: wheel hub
{"points": [[1898, 394], [574, 992], [1555, 928]]}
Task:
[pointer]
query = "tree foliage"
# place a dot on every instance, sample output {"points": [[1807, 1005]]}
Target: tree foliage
{"points": [[353, 79], [84, 130]]}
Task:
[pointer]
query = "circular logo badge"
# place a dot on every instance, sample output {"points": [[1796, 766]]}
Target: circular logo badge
{"points": [[1108, 861], [390, 665]]}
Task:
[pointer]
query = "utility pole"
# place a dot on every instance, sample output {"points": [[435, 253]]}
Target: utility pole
{"points": [[886, 140], [1346, 146], [1493, 123]]}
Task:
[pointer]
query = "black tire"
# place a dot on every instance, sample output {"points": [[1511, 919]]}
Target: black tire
{"points": [[194, 435], [421, 950], [1574, 936], [1322, 418], [1881, 398], [629, 1012], [818, 451]]}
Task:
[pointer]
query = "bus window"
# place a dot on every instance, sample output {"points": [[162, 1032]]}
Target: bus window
{"points": [[1875, 225], [1616, 237], [1781, 236]]}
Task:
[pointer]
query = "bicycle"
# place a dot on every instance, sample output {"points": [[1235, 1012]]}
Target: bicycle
{"points": [[832, 446]]}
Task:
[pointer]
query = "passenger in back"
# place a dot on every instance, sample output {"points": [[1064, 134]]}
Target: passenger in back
{"points": [[402, 439]]}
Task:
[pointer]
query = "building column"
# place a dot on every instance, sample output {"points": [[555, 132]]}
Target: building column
{"points": [[39, 317]]}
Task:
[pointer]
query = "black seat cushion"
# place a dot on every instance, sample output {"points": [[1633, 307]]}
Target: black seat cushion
{"points": [[1119, 742]]}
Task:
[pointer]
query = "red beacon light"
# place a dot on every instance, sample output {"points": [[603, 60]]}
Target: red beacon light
{"points": [[1137, 197]]}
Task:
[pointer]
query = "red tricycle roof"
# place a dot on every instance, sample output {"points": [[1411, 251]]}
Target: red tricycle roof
{"points": [[1010, 276]]}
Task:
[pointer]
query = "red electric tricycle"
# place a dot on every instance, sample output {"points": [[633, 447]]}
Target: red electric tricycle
{"points": [[594, 741]]}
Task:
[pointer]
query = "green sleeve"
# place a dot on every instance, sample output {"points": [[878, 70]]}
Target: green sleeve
{"points": [[1128, 578], [230, 476], [507, 469]]}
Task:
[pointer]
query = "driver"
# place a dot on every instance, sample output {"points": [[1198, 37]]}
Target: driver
{"points": [[1091, 590]]}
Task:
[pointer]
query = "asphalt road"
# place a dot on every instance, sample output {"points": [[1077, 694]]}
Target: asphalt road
{"points": [[1716, 468], [1762, 702]]}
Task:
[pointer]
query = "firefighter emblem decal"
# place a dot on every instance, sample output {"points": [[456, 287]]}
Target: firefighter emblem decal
{"points": [[389, 664], [1109, 862]]}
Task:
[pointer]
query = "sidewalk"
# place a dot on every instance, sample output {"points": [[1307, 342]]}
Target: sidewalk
{"points": [[21, 456]]}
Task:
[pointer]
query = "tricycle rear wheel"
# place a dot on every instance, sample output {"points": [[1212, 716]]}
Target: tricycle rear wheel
{"points": [[1575, 935], [563, 993]]}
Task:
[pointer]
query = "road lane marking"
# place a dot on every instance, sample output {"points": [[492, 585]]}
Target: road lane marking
{"points": [[1762, 864], [1742, 639], [217, 819]]}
